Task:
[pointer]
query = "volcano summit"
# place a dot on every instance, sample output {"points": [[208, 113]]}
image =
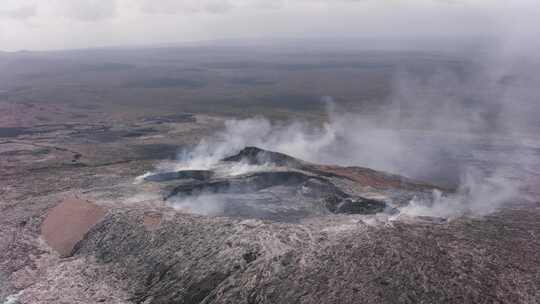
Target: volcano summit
{"points": [[289, 231]]}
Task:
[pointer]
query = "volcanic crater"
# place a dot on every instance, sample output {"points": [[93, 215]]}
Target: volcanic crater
{"points": [[279, 187]]}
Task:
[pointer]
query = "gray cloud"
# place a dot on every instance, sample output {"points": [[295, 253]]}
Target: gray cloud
{"points": [[58, 22], [23, 12], [88, 10], [186, 6]]}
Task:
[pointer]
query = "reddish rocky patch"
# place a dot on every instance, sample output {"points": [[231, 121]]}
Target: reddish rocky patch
{"points": [[68, 222], [151, 221]]}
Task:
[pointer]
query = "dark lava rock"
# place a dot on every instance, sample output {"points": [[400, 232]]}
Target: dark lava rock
{"points": [[14, 132], [279, 196], [256, 156], [360, 206], [175, 118], [187, 174], [250, 182]]}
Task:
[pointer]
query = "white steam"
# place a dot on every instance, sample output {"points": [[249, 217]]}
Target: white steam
{"points": [[437, 126], [477, 196], [204, 204], [356, 140], [344, 140], [297, 139]]}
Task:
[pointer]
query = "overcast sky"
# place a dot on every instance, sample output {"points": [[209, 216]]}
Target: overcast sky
{"points": [[62, 24]]}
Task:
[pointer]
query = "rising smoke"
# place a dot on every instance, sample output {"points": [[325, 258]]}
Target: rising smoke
{"points": [[471, 127], [203, 204], [477, 195], [446, 130]]}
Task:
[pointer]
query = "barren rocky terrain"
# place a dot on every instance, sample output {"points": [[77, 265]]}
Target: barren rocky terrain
{"points": [[91, 211], [78, 228]]}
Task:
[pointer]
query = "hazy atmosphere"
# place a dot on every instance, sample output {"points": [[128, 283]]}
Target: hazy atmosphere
{"points": [[286, 151], [60, 24]]}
